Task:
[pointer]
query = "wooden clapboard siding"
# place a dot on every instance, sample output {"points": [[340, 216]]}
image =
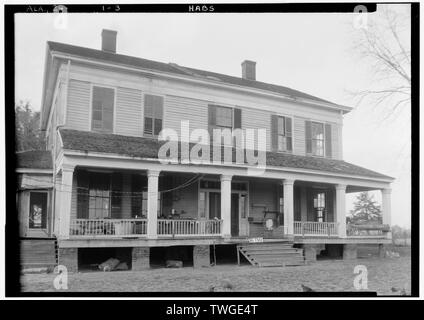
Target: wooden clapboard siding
{"points": [[336, 141], [78, 105], [128, 112], [299, 136], [257, 119], [178, 109]]}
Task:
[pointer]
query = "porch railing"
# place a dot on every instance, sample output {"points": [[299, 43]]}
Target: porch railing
{"points": [[372, 230], [189, 227], [312, 228], [108, 227]]}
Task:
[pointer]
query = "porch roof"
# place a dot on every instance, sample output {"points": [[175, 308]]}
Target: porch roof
{"points": [[141, 147], [34, 159]]}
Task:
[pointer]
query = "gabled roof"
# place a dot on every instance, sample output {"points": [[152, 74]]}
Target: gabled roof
{"points": [[35, 159], [140, 147], [172, 68]]}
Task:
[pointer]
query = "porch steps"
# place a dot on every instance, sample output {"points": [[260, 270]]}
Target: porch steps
{"points": [[38, 253], [275, 254]]}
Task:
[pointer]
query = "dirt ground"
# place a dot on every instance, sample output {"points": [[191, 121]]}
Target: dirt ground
{"points": [[323, 275]]}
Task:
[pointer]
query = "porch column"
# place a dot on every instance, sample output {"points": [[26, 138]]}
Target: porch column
{"points": [[341, 209], [65, 201], [152, 204], [288, 206], [386, 197], [226, 205]]}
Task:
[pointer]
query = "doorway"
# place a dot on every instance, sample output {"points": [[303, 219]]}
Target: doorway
{"points": [[235, 215]]}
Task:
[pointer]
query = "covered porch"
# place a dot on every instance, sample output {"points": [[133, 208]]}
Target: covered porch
{"points": [[110, 203]]}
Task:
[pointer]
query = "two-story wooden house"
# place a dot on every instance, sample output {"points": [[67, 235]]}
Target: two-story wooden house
{"points": [[103, 113]]}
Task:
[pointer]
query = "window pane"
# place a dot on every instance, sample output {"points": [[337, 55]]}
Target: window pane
{"points": [[224, 117], [103, 102], [243, 199], [38, 210], [158, 126], [99, 195], [281, 127], [202, 204], [148, 126], [317, 130], [97, 115], [282, 143]]}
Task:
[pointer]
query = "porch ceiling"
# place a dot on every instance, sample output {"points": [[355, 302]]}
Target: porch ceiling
{"points": [[141, 147]]}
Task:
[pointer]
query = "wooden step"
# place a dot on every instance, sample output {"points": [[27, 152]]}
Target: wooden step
{"points": [[267, 246], [276, 251], [267, 254]]}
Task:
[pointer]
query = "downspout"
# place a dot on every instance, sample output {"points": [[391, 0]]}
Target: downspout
{"points": [[55, 146]]}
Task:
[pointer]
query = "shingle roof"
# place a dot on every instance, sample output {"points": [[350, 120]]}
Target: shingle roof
{"points": [[36, 159], [176, 69], [148, 148]]}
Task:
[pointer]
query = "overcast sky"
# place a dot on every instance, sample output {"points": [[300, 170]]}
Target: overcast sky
{"points": [[308, 52]]}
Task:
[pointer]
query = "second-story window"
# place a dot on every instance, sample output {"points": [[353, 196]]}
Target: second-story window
{"points": [[223, 118], [317, 139], [102, 109], [281, 131], [153, 114]]}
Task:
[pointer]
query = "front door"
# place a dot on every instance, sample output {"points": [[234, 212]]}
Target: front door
{"points": [[37, 214], [235, 215], [243, 208]]}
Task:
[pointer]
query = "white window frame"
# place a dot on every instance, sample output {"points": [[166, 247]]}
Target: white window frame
{"points": [[29, 209], [324, 138], [90, 113], [292, 133], [152, 93]]}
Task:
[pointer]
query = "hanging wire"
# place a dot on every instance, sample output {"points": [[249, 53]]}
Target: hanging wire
{"points": [[113, 193]]}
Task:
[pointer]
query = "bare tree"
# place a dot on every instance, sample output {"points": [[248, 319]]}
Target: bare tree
{"points": [[385, 44]]}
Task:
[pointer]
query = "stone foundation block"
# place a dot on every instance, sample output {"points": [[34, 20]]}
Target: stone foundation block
{"points": [[201, 256], [350, 251], [140, 258], [68, 257]]}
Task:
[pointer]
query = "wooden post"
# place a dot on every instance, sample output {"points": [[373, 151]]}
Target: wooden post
{"points": [[226, 204], [65, 201], [152, 204]]}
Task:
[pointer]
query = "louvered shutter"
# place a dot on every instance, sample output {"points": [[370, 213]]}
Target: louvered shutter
{"points": [[237, 118], [308, 136], [289, 138], [274, 132], [328, 147]]}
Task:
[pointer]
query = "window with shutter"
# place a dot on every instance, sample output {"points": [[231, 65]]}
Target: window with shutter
{"points": [[153, 114], [281, 128], [102, 109], [317, 135], [223, 118]]}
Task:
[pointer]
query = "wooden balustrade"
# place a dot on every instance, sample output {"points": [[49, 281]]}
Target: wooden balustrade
{"points": [[108, 227], [181, 227], [313, 228], [367, 230]]}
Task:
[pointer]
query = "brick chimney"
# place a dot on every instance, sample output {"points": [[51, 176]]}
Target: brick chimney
{"points": [[109, 40], [248, 70]]}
